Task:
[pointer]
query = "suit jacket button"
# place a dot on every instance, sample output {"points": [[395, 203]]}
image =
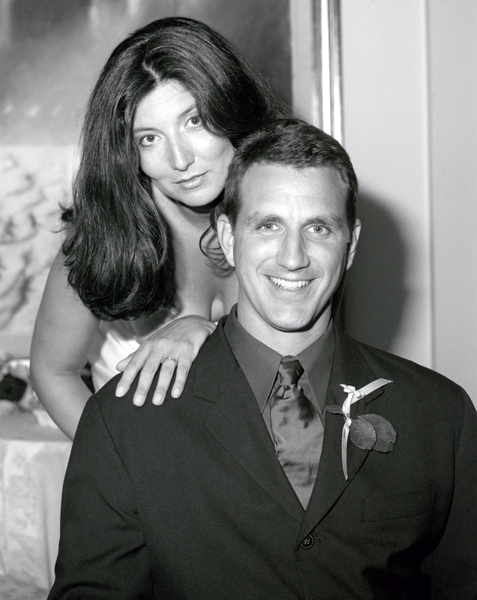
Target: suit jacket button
{"points": [[308, 542]]}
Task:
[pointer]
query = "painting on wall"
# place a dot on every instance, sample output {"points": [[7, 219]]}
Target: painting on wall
{"points": [[51, 52], [34, 181]]}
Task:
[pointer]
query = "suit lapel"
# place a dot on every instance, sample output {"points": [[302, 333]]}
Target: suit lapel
{"points": [[237, 424], [350, 368]]}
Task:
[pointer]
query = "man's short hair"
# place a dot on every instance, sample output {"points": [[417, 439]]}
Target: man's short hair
{"points": [[288, 142]]}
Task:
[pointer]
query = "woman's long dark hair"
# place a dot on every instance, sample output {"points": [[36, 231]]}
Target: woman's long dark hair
{"points": [[118, 246]]}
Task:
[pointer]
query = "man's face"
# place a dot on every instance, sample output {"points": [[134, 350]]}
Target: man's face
{"points": [[290, 247]]}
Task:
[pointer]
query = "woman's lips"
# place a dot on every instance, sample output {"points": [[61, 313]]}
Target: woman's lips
{"points": [[191, 182]]}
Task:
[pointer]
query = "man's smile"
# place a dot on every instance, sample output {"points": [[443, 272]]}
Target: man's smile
{"points": [[286, 284]]}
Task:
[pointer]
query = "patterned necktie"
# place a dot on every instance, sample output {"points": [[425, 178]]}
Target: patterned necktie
{"points": [[297, 429]]}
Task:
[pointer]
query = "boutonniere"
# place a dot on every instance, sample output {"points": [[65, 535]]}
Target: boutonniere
{"points": [[370, 432]]}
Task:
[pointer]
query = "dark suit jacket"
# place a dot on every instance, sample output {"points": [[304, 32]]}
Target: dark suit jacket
{"points": [[188, 501]]}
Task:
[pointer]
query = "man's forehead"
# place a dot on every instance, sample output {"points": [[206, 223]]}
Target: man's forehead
{"points": [[263, 180], [268, 171]]}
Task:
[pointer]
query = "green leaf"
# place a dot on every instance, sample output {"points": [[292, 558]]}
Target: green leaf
{"points": [[335, 409], [386, 435], [362, 434]]}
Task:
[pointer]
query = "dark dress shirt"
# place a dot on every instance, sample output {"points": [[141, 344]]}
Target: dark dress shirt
{"points": [[260, 365]]}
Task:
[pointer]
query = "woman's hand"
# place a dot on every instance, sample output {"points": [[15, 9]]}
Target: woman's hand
{"points": [[172, 348]]}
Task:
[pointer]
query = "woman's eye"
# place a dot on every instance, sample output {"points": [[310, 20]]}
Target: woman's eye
{"points": [[195, 120], [148, 140]]}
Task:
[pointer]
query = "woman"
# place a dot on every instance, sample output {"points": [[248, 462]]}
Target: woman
{"points": [[170, 105]]}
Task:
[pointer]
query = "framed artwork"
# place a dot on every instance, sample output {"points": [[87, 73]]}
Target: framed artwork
{"points": [[316, 63]]}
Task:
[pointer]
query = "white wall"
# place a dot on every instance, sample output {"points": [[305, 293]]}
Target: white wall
{"points": [[453, 128], [410, 126]]}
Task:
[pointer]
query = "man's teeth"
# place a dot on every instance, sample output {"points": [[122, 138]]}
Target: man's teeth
{"points": [[288, 285]]}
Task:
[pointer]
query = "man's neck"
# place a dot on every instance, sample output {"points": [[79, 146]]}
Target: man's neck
{"points": [[287, 342]]}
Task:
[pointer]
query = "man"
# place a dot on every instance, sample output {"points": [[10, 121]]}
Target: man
{"points": [[278, 473]]}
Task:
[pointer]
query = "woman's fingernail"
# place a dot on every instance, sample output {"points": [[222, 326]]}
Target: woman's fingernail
{"points": [[120, 391], [157, 400], [138, 400]]}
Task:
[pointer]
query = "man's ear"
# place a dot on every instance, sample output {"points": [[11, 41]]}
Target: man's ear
{"points": [[226, 238], [353, 243]]}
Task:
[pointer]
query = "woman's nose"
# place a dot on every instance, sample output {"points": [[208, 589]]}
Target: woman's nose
{"points": [[181, 155]]}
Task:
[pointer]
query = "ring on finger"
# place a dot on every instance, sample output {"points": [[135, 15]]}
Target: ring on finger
{"points": [[169, 358]]}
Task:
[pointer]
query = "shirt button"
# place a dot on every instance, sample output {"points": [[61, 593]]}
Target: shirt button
{"points": [[308, 542]]}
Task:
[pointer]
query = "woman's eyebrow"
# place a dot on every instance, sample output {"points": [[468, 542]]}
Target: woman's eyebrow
{"points": [[190, 108]]}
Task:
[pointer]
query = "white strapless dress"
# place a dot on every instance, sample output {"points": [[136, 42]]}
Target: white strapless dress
{"points": [[114, 340]]}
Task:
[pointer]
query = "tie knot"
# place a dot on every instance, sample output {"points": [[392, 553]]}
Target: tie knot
{"points": [[289, 371]]}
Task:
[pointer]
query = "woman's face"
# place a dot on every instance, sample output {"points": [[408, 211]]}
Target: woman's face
{"points": [[185, 162]]}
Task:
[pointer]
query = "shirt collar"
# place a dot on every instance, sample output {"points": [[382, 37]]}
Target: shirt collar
{"points": [[260, 363], [316, 361]]}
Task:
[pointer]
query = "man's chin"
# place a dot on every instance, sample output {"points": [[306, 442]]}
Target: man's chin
{"points": [[291, 325], [298, 320]]}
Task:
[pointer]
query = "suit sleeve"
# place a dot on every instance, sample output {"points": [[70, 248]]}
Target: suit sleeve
{"points": [[102, 554], [453, 565]]}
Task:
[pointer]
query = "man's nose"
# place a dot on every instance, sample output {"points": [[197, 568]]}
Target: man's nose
{"points": [[293, 254], [181, 155]]}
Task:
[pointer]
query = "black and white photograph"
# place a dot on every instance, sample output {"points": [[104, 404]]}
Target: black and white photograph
{"points": [[238, 326]]}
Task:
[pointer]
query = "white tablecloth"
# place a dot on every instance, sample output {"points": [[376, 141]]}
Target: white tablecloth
{"points": [[33, 461]]}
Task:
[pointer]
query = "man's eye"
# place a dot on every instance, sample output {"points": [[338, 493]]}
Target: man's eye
{"points": [[319, 230], [268, 227]]}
